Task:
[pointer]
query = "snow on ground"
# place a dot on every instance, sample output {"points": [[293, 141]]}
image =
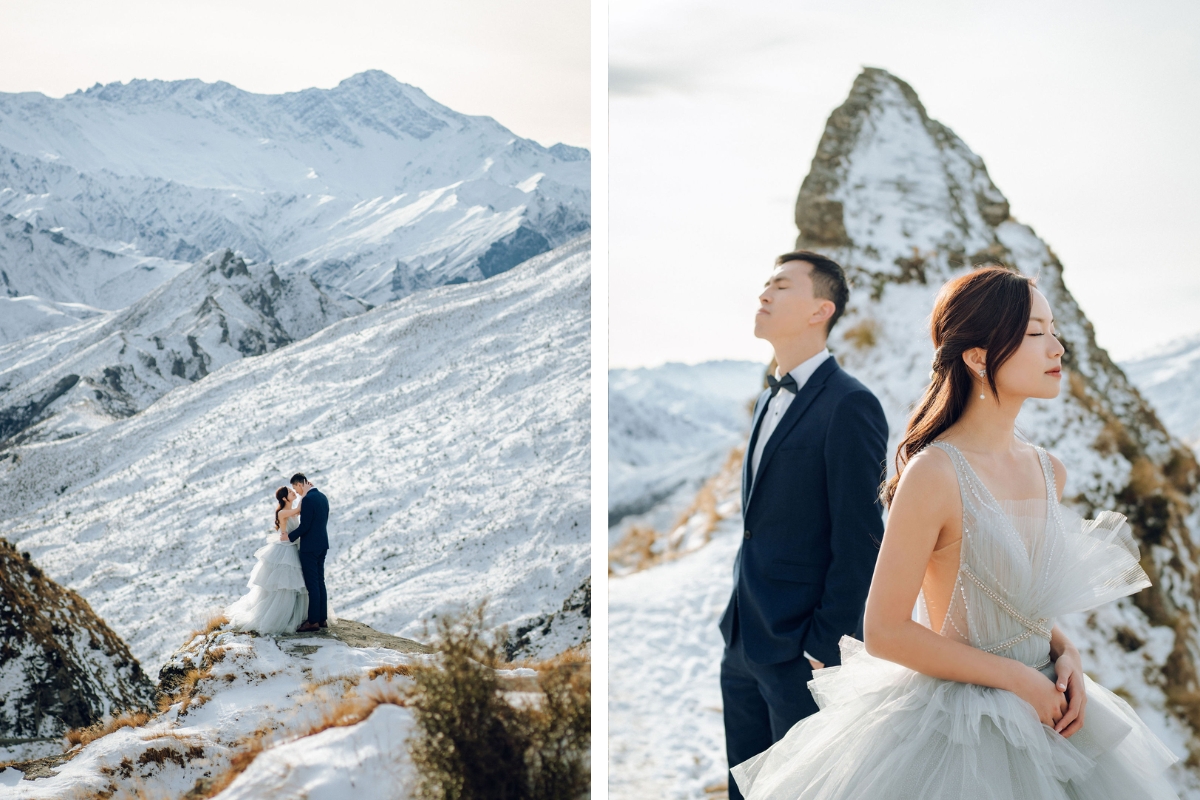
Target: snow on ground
{"points": [[449, 431], [280, 688], [666, 737]]}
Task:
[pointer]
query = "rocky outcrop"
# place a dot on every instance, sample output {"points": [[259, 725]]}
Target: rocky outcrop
{"points": [[61, 666], [904, 205]]}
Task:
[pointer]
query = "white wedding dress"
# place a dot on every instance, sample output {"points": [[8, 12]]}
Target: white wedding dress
{"points": [[885, 732], [278, 601]]}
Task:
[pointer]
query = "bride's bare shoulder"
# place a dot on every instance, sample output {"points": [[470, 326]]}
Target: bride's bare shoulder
{"points": [[929, 473]]}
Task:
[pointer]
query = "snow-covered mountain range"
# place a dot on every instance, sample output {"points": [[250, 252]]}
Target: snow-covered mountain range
{"points": [[371, 187], [449, 430], [79, 378], [670, 428], [904, 204], [1170, 378]]}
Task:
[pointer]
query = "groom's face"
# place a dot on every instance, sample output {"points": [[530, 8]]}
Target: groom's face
{"points": [[300, 488], [787, 306]]}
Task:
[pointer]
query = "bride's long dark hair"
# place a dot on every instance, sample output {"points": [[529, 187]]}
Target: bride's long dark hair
{"points": [[281, 496], [987, 308]]}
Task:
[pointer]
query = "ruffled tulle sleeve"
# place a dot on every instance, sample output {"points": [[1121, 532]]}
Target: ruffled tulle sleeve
{"points": [[1099, 563]]}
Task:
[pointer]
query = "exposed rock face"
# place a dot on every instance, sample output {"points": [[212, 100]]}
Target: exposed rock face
{"points": [[904, 205], [79, 378], [61, 666]]}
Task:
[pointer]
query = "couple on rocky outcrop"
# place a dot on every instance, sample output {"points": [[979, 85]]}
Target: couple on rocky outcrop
{"points": [[985, 697], [287, 585]]}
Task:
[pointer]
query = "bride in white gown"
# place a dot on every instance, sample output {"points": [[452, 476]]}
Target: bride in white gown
{"points": [[278, 601], [985, 697]]}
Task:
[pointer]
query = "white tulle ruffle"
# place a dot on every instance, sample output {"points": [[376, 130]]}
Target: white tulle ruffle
{"points": [[277, 601], [889, 733]]}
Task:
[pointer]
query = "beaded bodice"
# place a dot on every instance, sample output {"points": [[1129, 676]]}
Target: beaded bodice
{"points": [[1023, 563]]}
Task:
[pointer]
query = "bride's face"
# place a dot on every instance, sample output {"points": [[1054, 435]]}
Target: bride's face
{"points": [[291, 495], [1035, 369]]}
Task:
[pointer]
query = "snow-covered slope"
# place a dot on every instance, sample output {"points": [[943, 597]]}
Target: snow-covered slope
{"points": [[371, 186], [80, 378], [61, 666], [255, 692], [1170, 378], [904, 204], [670, 428], [449, 431]]}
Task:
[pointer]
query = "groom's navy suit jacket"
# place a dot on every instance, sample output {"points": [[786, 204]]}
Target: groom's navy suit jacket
{"points": [[813, 523], [314, 513]]}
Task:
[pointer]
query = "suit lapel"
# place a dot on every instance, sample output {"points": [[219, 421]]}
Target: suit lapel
{"points": [[760, 408], [812, 387]]}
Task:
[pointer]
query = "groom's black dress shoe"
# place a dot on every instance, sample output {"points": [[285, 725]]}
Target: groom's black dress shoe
{"points": [[308, 627], [323, 624]]}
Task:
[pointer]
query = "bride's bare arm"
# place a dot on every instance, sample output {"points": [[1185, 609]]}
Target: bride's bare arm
{"points": [[926, 502]]}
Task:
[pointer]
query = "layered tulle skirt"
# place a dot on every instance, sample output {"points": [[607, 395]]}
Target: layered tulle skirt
{"points": [[278, 600], [885, 732]]}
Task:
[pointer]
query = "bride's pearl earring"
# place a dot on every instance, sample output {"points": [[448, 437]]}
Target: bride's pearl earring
{"points": [[982, 372]]}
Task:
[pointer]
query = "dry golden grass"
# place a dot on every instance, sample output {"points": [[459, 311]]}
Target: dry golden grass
{"points": [[348, 682], [353, 709], [246, 750], [388, 671], [642, 546], [130, 719], [213, 624]]}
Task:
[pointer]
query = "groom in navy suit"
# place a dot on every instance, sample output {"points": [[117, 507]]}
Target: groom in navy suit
{"points": [[314, 544], [812, 517]]}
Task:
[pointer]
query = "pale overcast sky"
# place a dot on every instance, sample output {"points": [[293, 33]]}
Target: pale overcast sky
{"points": [[523, 62], [1086, 113]]}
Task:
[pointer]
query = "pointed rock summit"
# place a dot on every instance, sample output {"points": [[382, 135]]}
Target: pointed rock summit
{"points": [[902, 202]]}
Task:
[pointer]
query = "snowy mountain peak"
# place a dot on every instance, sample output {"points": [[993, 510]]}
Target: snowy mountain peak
{"points": [[901, 201], [371, 186]]}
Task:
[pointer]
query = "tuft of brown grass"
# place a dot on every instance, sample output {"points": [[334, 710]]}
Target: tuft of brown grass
{"points": [[642, 546], [246, 750], [213, 624], [472, 744], [159, 756], [130, 719], [388, 671]]}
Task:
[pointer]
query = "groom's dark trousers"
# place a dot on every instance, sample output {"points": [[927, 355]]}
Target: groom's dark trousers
{"points": [[314, 544], [812, 528]]}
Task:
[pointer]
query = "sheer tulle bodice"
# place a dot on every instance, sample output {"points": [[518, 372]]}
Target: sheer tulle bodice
{"points": [[1025, 562], [889, 733]]}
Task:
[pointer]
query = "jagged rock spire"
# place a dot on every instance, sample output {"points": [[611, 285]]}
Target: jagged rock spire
{"points": [[902, 202]]}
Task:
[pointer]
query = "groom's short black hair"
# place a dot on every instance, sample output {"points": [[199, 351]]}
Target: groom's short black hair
{"points": [[828, 277], [298, 478]]}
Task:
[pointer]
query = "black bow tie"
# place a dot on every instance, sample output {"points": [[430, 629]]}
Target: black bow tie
{"points": [[787, 382]]}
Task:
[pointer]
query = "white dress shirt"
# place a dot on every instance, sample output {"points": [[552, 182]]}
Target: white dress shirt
{"points": [[779, 404]]}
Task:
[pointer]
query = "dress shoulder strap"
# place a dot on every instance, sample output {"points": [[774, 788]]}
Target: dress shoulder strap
{"points": [[1048, 474], [959, 462]]}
